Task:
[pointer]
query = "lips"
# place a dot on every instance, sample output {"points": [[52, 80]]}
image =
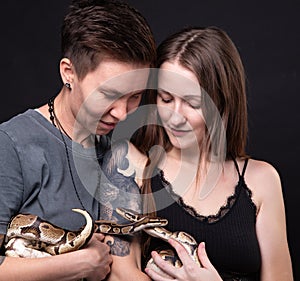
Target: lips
{"points": [[178, 133], [108, 125]]}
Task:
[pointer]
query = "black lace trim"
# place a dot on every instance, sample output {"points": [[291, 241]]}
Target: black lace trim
{"points": [[223, 209], [249, 193]]}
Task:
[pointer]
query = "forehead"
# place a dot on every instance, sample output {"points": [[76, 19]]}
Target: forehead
{"points": [[174, 78], [121, 76]]}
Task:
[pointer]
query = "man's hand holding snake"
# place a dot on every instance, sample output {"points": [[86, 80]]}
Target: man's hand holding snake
{"points": [[98, 259]]}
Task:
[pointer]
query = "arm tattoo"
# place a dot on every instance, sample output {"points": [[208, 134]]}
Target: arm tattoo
{"points": [[119, 246], [118, 189], [2, 237]]}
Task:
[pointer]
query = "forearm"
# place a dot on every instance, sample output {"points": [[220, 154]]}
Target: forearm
{"points": [[62, 267], [126, 264], [135, 274]]}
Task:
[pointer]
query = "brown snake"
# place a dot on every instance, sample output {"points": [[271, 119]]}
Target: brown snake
{"points": [[30, 236], [185, 239]]}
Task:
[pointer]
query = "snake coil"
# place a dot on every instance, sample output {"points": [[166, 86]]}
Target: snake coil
{"points": [[30, 236]]}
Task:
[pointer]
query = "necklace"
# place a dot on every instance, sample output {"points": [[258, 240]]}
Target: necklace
{"points": [[101, 146], [54, 120]]}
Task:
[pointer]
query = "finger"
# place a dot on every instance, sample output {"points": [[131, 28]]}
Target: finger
{"points": [[99, 236], [163, 265], [203, 256], [181, 251], [156, 276]]}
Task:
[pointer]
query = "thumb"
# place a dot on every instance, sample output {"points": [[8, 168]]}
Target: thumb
{"points": [[204, 260], [99, 236]]}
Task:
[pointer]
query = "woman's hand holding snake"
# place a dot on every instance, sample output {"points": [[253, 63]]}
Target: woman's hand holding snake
{"points": [[189, 271], [98, 258]]}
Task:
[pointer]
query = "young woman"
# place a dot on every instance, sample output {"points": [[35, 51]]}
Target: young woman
{"points": [[201, 178], [48, 162]]}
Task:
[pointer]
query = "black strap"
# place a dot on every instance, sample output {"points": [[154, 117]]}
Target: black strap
{"points": [[244, 168]]}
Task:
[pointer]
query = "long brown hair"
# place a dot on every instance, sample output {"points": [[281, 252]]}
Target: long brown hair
{"points": [[212, 56]]}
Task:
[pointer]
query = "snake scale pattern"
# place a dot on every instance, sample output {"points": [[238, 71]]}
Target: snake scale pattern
{"points": [[30, 236]]}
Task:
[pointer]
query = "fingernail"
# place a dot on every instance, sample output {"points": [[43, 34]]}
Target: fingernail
{"points": [[153, 253]]}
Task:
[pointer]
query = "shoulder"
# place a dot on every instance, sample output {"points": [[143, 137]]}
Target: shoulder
{"points": [[126, 159], [135, 156], [125, 149], [261, 171], [25, 126], [18, 119], [138, 162], [263, 179]]}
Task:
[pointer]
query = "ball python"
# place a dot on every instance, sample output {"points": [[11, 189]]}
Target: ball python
{"points": [[185, 239], [30, 236]]}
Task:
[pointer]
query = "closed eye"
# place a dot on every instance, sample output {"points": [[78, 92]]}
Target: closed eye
{"points": [[164, 96], [194, 104], [136, 96]]}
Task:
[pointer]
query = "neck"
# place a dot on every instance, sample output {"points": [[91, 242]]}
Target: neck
{"points": [[190, 155], [63, 118]]}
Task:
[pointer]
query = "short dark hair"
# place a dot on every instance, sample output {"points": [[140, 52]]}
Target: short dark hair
{"points": [[93, 29]]}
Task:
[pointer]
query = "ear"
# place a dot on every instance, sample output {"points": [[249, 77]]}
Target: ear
{"points": [[66, 71]]}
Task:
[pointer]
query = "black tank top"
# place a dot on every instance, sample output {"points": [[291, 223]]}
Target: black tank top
{"points": [[230, 236]]}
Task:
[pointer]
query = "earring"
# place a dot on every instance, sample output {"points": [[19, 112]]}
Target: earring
{"points": [[68, 85]]}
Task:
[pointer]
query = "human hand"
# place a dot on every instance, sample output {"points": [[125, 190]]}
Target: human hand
{"points": [[190, 270], [98, 258]]}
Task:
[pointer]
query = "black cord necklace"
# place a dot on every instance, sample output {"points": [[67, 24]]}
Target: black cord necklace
{"points": [[54, 120]]}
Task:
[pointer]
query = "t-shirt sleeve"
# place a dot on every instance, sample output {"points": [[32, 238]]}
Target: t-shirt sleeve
{"points": [[11, 181]]}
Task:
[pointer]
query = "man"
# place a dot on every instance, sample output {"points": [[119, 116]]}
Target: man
{"points": [[45, 152]]}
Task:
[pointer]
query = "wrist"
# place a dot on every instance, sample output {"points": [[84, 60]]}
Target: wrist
{"points": [[81, 263]]}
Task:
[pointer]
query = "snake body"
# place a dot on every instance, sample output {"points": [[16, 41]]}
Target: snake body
{"points": [[185, 239], [27, 233], [30, 236]]}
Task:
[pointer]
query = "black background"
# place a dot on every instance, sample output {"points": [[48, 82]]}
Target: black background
{"points": [[265, 32]]}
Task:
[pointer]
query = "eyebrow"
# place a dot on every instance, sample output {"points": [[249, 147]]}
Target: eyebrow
{"points": [[188, 96], [109, 91]]}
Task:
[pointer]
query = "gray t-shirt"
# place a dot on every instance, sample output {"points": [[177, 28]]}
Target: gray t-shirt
{"points": [[35, 175]]}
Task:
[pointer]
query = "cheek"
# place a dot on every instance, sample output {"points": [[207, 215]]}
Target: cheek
{"points": [[96, 106], [164, 113], [198, 124], [133, 104]]}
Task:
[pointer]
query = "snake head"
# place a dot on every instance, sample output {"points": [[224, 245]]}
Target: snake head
{"points": [[141, 221], [129, 215]]}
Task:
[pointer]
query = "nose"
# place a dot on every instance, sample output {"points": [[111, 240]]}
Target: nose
{"points": [[176, 117], [119, 110]]}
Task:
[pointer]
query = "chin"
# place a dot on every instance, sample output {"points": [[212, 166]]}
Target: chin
{"points": [[184, 144], [102, 132]]}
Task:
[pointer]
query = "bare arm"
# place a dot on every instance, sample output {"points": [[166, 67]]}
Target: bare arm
{"points": [[121, 190], [271, 223], [127, 268], [92, 263]]}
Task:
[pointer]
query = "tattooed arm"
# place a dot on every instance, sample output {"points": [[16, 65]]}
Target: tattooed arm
{"points": [[119, 188]]}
